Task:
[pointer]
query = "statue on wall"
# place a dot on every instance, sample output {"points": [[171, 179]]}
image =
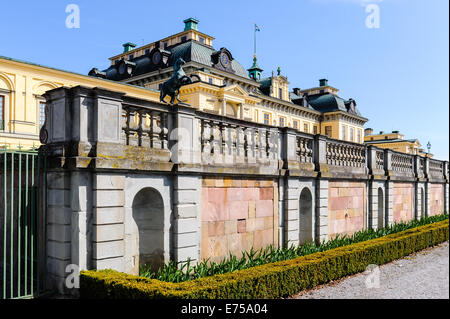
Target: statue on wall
{"points": [[172, 86]]}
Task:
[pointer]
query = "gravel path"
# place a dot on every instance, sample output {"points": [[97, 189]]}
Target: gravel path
{"points": [[423, 275]]}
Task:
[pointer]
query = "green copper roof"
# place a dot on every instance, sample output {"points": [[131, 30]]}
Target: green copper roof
{"points": [[191, 24]]}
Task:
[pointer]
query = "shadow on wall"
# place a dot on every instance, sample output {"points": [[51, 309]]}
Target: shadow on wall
{"points": [[306, 220]]}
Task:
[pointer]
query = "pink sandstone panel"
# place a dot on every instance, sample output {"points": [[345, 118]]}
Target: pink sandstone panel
{"points": [[346, 208], [436, 199], [403, 202], [236, 216]]}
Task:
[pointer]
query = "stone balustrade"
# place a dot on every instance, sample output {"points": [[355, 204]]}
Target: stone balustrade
{"points": [[110, 129], [345, 154]]}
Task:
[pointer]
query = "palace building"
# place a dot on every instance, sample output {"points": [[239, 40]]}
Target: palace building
{"points": [[395, 141], [226, 88]]}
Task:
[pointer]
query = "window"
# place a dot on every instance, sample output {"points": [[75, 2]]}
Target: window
{"points": [[328, 131], [352, 135], [2, 112], [295, 124], [201, 39], [41, 113], [183, 38], [306, 128], [280, 94], [116, 61], [166, 44], [267, 118], [160, 86], [359, 136], [315, 130], [210, 81], [344, 130], [282, 122], [147, 51], [131, 57]]}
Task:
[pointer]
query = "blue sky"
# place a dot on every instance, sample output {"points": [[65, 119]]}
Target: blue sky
{"points": [[398, 73]]}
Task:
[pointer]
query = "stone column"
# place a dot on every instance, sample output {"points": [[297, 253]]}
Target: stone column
{"points": [[59, 233], [446, 188], [224, 107], [320, 152], [291, 222], [108, 222], [373, 205], [390, 202], [187, 214]]}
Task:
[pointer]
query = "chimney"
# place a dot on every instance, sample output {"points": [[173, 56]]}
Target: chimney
{"points": [[127, 47], [368, 132], [191, 24], [323, 82]]}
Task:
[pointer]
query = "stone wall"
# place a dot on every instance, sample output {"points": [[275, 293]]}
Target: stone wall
{"points": [[436, 199], [167, 184], [403, 202], [346, 207], [237, 214]]}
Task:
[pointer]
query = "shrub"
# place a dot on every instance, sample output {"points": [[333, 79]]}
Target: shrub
{"points": [[178, 272], [274, 280]]}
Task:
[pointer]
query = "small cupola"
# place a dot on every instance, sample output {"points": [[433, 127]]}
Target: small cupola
{"points": [[127, 47], [323, 82], [191, 24]]}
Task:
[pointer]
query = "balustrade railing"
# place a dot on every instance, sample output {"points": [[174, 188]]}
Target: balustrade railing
{"points": [[345, 154], [229, 141], [304, 149], [402, 163], [379, 160], [144, 127], [436, 168]]}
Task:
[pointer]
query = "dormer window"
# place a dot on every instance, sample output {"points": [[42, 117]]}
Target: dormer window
{"points": [[201, 40], [131, 57]]}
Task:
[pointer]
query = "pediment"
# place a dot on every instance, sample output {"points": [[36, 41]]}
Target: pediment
{"points": [[236, 89]]}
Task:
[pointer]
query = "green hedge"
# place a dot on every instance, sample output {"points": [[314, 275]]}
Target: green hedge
{"points": [[273, 280]]}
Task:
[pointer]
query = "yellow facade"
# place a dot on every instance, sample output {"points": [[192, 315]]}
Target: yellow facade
{"points": [[395, 141], [22, 86]]}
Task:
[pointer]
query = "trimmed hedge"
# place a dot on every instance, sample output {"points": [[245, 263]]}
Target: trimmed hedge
{"points": [[275, 280]]}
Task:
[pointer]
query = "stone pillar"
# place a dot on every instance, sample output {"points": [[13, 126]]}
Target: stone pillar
{"points": [[389, 202], [187, 214], [321, 221], [446, 198], [108, 222], [81, 206], [446, 188], [373, 205], [281, 211], [288, 148], [184, 138], [59, 234], [291, 223], [241, 111], [224, 107]]}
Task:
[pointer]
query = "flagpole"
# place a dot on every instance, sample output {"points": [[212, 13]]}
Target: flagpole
{"points": [[255, 38]]}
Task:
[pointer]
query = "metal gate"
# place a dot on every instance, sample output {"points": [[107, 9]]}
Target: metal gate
{"points": [[22, 220]]}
